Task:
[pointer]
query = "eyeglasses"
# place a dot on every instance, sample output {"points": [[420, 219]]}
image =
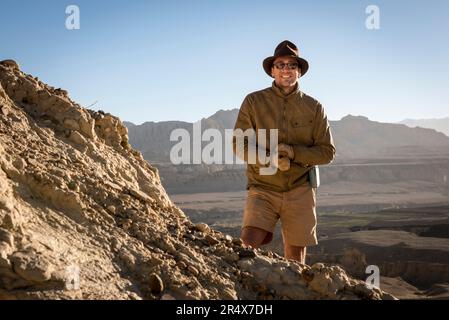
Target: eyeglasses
{"points": [[290, 66]]}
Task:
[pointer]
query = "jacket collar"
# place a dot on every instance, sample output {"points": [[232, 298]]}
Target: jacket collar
{"points": [[279, 92]]}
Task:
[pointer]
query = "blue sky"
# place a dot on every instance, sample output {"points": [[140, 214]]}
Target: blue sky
{"points": [[184, 60]]}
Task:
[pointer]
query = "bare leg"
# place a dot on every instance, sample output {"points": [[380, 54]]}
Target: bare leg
{"points": [[295, 253], [254, 237]]}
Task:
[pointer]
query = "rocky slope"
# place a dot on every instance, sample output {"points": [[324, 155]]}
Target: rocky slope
{"points": [[84, 216]]}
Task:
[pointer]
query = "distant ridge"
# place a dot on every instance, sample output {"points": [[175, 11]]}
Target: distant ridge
{"points": [[355, 137]]}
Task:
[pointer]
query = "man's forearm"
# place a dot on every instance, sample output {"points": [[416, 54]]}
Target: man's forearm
{"points": [[313, 155], [250, 154]]}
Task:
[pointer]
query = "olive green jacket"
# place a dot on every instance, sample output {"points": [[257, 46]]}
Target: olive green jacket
{"points": [[301, 122]]}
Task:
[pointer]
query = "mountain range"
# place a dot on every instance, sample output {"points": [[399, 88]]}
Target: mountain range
{"points": [[356, 137], [441, 125]]}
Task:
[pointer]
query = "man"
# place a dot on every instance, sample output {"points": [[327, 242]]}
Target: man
{"points": [[304, 140]]}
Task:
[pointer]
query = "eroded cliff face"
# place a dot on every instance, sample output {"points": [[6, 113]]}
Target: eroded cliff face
{"points": [[84, 216]]}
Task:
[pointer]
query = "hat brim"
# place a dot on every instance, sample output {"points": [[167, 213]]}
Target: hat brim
{"points": [[268, 64]]}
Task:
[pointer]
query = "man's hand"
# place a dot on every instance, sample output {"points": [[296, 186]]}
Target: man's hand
{"points": [[285, 153], [283, 163], [285, 150]]}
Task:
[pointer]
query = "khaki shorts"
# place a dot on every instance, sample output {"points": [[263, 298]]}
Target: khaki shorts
{"points": [[295, 208]]}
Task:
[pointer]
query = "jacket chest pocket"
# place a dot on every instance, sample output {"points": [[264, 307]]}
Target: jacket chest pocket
{"points": [[301, 122], [301, 130]]}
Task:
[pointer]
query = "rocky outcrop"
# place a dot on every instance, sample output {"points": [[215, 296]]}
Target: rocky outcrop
{"points": [[83, 215]]}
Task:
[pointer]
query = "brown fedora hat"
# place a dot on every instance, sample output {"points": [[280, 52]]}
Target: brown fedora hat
{"points": [[286, 48]]}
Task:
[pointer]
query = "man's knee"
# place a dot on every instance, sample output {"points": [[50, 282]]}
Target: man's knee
{"points": [[255, 237]]}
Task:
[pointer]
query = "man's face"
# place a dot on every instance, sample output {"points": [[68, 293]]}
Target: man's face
{"points": [[285, 71]]}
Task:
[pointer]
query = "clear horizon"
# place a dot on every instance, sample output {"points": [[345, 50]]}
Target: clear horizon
{"points": [[184, 60]]}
